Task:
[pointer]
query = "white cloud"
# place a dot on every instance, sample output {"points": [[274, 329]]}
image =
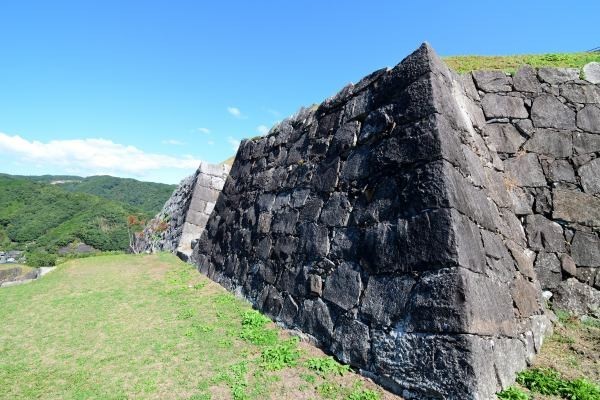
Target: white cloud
{"points": [[235, 112], [173, 142], [262, 129], [210, 142], [91, 156], [205, 131], [233, 142]]}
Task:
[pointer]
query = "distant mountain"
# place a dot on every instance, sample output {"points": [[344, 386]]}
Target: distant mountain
{"points": [[148, 197], [44, 216]]}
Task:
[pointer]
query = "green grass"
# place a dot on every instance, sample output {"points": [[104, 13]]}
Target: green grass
{"points": [[510, 64], [151, 327]]}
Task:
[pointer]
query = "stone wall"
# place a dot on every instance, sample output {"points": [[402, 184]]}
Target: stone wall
{"points": [[10, 274], [184, 215], [381, 223], [545, 126], [15, 276]]}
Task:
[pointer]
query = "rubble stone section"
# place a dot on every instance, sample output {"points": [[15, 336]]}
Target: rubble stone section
{"points": [[184, 215], [382, 224], [552, 167]]}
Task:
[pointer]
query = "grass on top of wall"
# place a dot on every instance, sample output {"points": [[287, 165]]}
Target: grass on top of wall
{"points": [[510, 64]]}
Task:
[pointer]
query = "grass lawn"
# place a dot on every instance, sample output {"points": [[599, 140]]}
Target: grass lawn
{"points": [[512, 63], [151, 327]]}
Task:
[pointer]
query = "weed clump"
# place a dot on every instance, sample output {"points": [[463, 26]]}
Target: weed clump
{"points": [[549, 382], [326, 365], [282, 355], [255, 331], [512, 393]]}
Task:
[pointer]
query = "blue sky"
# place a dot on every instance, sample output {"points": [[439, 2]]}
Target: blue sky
{"points": [[145, 89]]}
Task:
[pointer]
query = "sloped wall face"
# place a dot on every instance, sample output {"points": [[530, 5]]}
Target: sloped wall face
{"points": [[209, 183], [184, 215], [545, 125], [380, 224], [163, 232]]}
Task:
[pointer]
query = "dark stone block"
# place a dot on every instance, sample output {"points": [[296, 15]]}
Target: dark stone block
{"points": [[351, 343], [525, 170], [585, 249], [561, 171], [548, 112], [345, 243], [557, 144], [526, 297], [314, 240], [496, 106], [336, 211], [588, 119], [344, 138], [577, 298], [407, 144], [587, 275], [311, 210], [590, 176], [315, 318], [544, 235], [343, 286], [285, 222], [505, 137], [271, 301], [380, 250], [461, 301], [357, 165], [525, 80], [573, 206], [548, 270], [494, 245], [492, 81], [285, 248], [556, 76], [289, 311], [420, 363], [376, 304], [265, 201], [294, 281], [263, 248], [326, 176], [576, 93], [377, 122], [299, 197]]}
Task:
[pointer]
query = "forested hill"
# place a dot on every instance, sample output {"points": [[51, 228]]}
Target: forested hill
{"points": [[38, 215], [146, 196]]}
